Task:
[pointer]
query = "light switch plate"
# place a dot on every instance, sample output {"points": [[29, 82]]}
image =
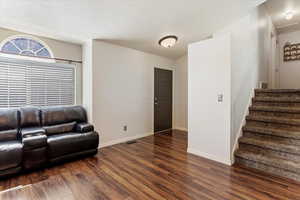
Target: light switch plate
{"points": [[220, 97]]}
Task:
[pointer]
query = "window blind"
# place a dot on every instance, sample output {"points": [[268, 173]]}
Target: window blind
{"points": [[36, 84]]}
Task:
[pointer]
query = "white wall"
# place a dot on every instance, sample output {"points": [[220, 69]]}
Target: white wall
{"points": [[288, 71], [60, 49], [248, 65], [181, 93], [209, 71], [250, 47], [123, 89], [87, 76], [273, 59]]}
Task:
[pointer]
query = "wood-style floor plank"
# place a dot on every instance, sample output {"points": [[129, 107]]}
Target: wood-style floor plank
{"points": [[156, 167]]}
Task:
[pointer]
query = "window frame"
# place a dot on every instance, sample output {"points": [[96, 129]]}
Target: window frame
{"points": [[24, 57], [19, 61]]}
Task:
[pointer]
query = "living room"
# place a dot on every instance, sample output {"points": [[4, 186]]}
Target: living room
{"points": [[149, 99]]}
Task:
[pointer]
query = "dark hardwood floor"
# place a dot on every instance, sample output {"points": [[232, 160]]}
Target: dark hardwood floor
{"points": [[156, 167]]}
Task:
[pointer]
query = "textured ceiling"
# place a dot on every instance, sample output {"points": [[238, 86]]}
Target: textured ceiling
{"points": [[277, 9], [137, 24]]}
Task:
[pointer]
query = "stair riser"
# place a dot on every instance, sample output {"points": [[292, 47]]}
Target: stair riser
{"points": [[275, 114], [269, 152], [274, 137], [277, 94], [273, 125], [269, 103], [267, 168]]}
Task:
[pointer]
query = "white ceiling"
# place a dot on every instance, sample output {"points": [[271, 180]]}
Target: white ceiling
{"points": [[277, 9], [137, 24]]}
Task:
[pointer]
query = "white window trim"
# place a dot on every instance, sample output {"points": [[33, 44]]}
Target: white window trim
{"points": [[27, 57]]}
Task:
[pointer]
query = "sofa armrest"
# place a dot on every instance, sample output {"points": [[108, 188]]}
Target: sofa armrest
{"points": [[29, 132], [84, 127]]}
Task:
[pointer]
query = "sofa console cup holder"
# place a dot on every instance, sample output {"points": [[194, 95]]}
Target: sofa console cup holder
{"points": [[33, 135], [35, 149]]}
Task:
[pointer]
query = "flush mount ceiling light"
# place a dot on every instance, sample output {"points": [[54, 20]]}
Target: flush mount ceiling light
{"points": [[168, 41], [289, 15]]}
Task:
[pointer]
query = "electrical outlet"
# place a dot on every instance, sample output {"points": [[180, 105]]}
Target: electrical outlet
{"points": [[125, 128]]}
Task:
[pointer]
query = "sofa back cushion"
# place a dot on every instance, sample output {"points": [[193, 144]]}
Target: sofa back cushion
{"points": [[53, 115], [9, 124], [30, 116], [62, 114], [76, 113], [60, 128], [8, 135]]}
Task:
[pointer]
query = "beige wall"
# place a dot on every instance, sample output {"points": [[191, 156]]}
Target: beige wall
{"points": [[60, 49], [181, 93]]}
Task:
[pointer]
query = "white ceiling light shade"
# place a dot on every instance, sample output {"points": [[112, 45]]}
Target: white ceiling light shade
{"points": [[289, 15], [168, 41]]}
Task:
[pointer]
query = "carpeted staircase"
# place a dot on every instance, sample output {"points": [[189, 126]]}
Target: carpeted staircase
{"points": [[271, 136]]}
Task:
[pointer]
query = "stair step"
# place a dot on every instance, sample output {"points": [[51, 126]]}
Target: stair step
{"points": [[275, 120], [285, 140], [276, 101], [273, 132], [267, 168], [269, 152], [277, 93], [275, 109], [272, 145], [272, 161]]}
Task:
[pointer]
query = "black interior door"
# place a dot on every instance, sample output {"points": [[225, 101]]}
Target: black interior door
{"points": [[163, 99]]}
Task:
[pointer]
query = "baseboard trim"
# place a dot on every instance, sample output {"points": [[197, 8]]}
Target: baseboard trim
{"points": [[122, 140], [209, 156], [240, 131], [181, 129]]}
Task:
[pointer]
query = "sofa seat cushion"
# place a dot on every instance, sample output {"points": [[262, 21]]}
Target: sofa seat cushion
{"points": [[67, 143], [60, 128], [10, 154]]}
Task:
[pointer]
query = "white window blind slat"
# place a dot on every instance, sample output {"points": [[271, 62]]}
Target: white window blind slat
{"points": [[36, 85]]}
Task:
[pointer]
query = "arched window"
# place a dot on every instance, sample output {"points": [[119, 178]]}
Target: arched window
{"points": [[27, 46], [35, 79]]}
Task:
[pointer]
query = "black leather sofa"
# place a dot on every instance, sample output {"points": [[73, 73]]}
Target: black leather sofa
{"points": [[33, 137]]}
